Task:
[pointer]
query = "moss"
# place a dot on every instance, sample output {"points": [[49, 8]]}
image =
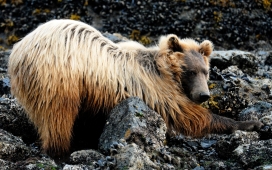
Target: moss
{"points": [[38, 11], [7, 25], [40, 165], [165, 142], [223, 3], [2, 48], [217, 16], [207, 163], [127, 134], [136, 36], [12, 39], [212, 86], [3, 2], [145, 40], [86, 3], [75, 17], [46, 11], [46, 166], [139, 114], [16, 2], [257, 36], [211, 103], [267, 4]]}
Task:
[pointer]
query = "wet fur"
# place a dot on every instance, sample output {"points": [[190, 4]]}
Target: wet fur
{"points": [[65, 67]]}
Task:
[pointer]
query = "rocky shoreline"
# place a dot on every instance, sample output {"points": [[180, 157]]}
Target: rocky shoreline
{"points": [[229, 24], [242, 92], [240, 85]]}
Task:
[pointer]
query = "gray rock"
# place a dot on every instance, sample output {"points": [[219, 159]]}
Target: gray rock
{"points": [[90, 159], [13, 148], [6, 165], [228, 24], [227, 143], [132, 157], [136, 123], [207, 143], [267, 120], [15, 154], [268, 59], [115, 37], [3, 61], [217, 165], [254, 154], [85, 157], [233, 91], [4, 80], [14, 120], [257, 111], [199, 168], [78, 167], [37, 163], [179, 157], [263, 46], [261, 111], [266, 167], [4, 86], [245, 61]]}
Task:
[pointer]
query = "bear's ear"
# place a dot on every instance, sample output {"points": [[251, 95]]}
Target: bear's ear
{"points": [[173, 44], [170, 42], [206, 48]]}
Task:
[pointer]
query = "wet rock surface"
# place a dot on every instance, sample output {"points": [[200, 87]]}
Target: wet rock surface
{"points": [[229, 24], [254, 154], [136, 123], [234, 86], [15, 154], [14, 120], [237, 92], [240, 85]]}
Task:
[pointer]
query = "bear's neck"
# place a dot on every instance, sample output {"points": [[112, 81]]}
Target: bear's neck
{"points": [[147, 60]]}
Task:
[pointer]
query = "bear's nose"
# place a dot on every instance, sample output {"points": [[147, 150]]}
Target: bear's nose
{"points": [[203, 96]]}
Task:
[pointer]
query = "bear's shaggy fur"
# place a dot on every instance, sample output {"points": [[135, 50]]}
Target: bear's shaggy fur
{"points": [[65, 67]]}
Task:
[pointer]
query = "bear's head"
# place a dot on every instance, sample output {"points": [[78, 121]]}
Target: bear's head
{"points": [[189, 64]]}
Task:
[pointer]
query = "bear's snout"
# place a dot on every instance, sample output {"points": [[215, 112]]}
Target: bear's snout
{"points": [[204, 96], [199, 96], [198, 89]]}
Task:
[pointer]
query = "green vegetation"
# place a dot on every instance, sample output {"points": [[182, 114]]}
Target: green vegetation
{"points": [[12, 39], [136, 36], [217, 16], [75, 17], [267, 4], [223, 3], [139, 114], [38, 11], [46, 167]]}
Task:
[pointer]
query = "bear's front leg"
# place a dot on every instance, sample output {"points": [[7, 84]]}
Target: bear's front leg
{"points": [[220, 124]]}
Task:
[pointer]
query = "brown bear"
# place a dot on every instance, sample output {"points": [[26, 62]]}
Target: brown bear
{"points": [[66, 67]]}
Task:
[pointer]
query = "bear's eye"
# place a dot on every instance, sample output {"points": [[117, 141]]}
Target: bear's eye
{"points": [[205, 72], [191, 73]]}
